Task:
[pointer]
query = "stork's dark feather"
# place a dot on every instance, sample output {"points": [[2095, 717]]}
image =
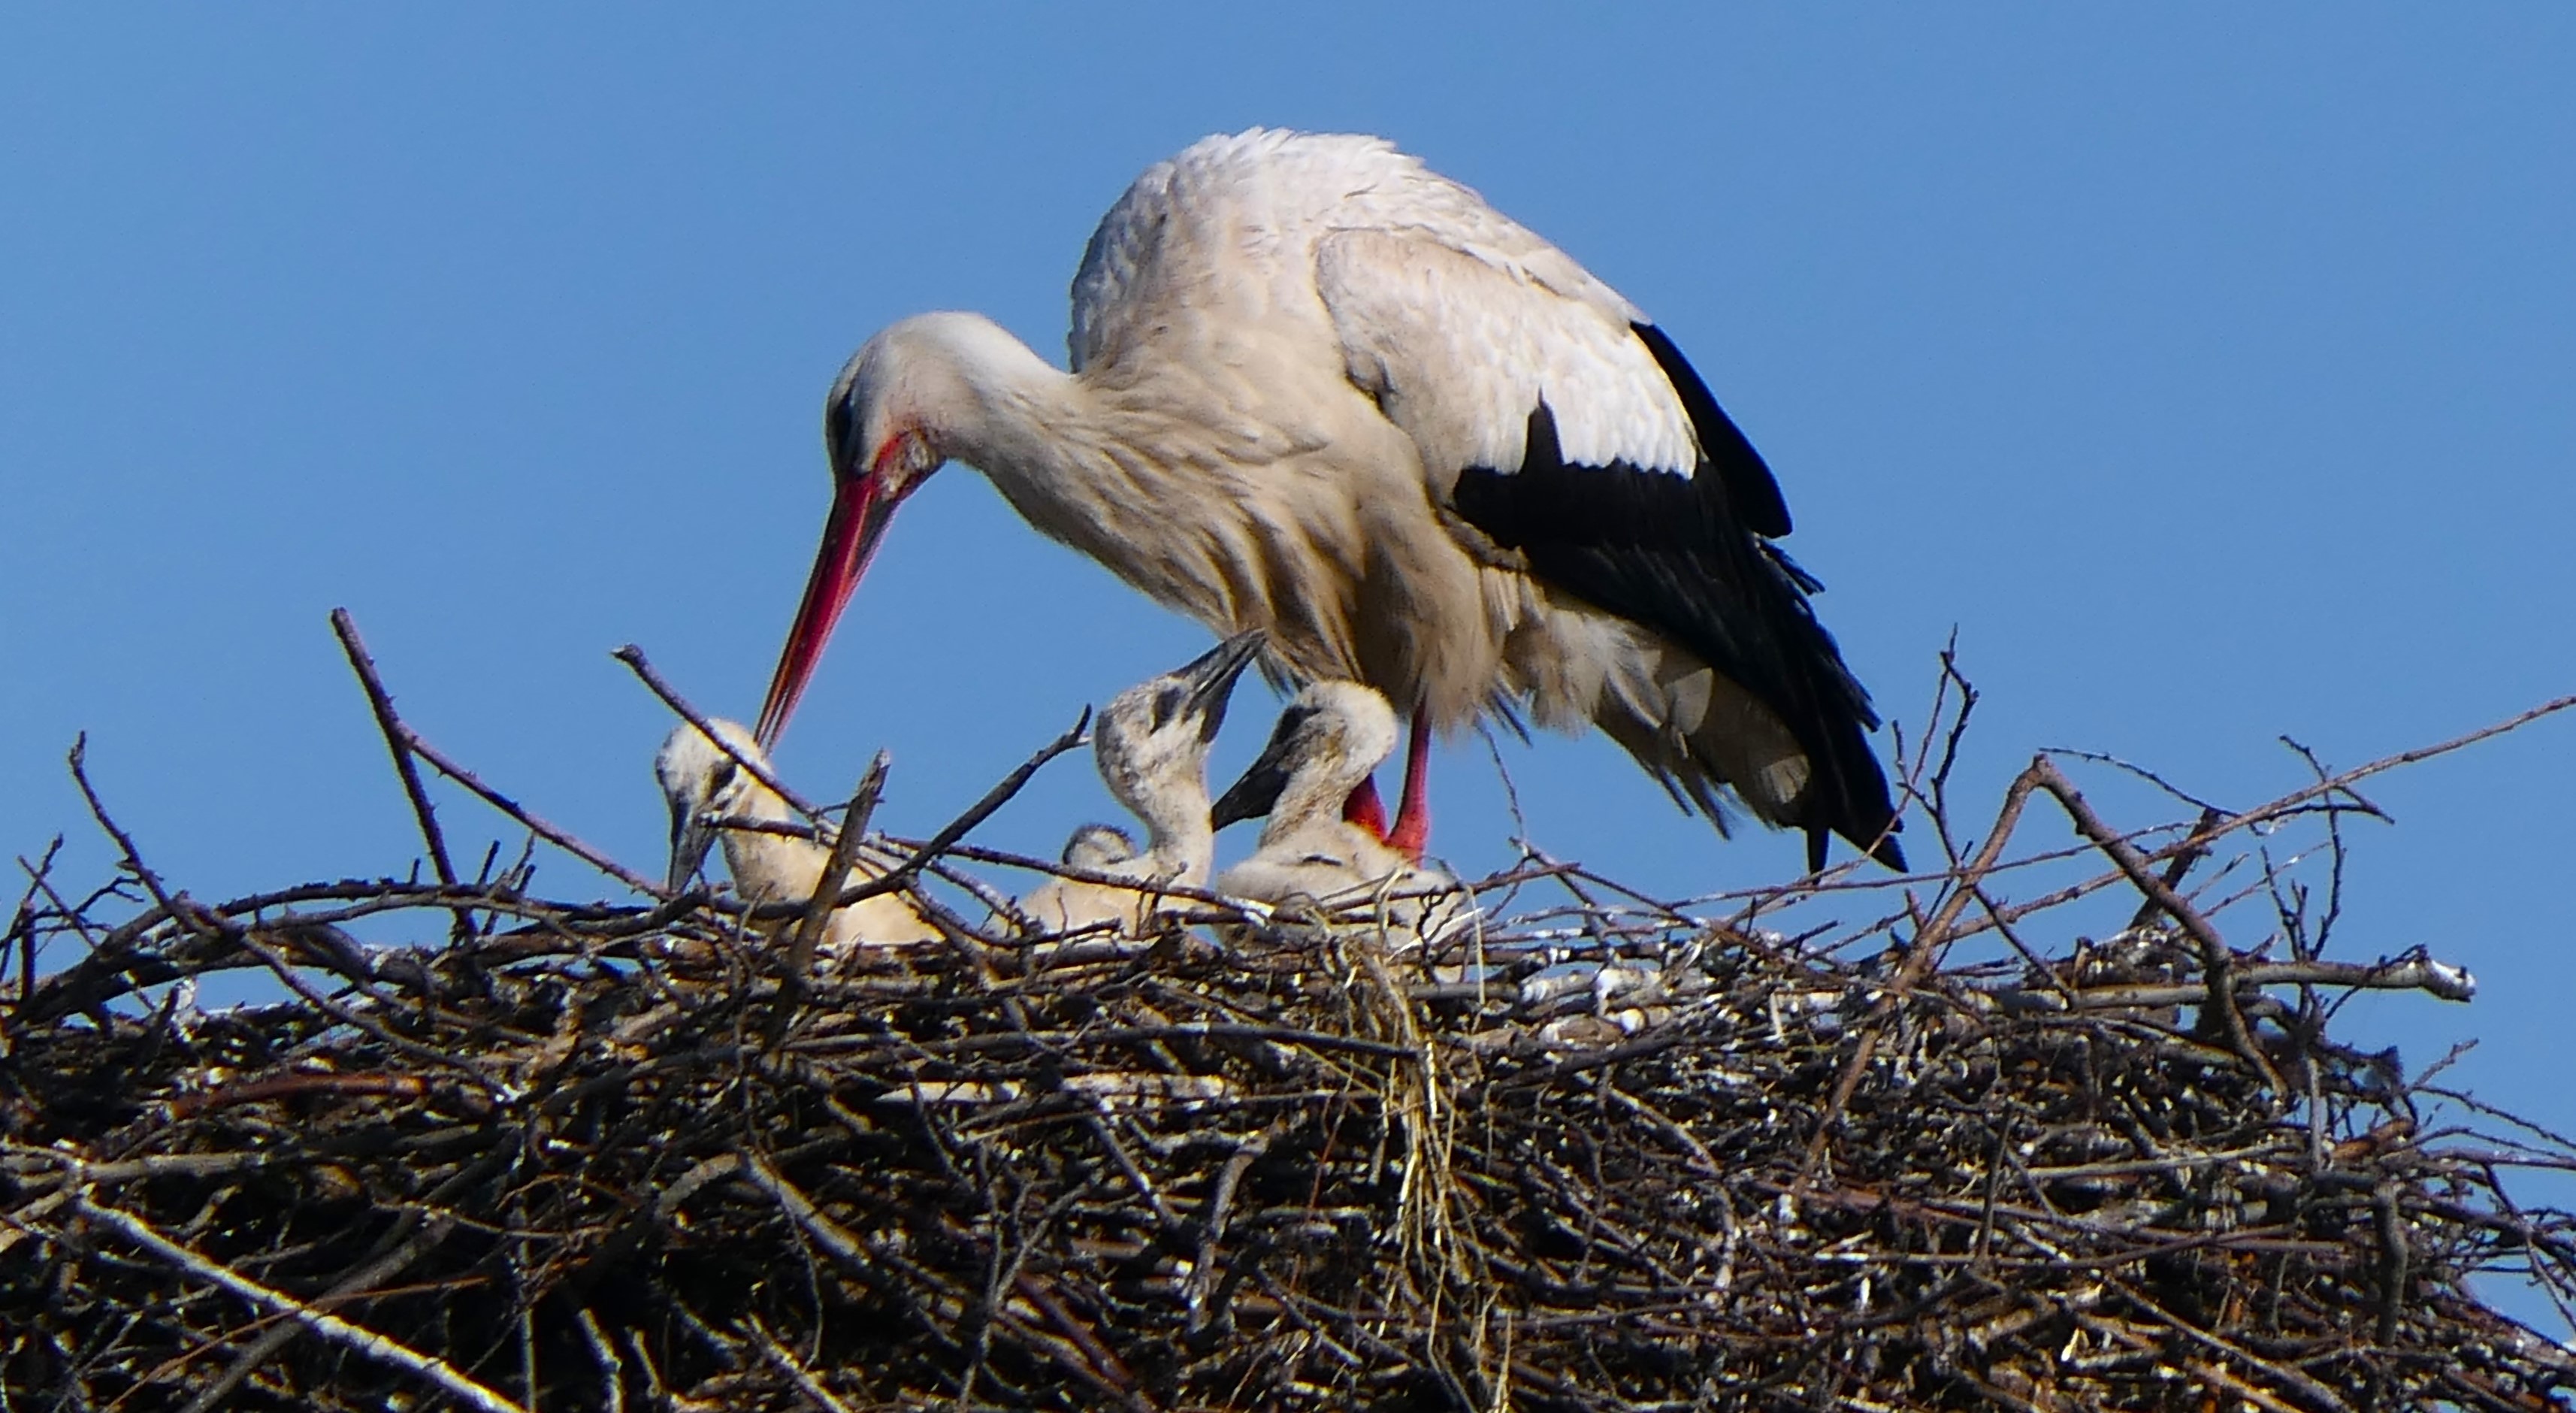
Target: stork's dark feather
{"points": [[1752, 496], [1671, 552]]}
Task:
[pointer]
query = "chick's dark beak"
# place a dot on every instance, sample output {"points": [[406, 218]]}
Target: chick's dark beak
{"points": [[691, 837], [1257, 791], [1211, 677]]}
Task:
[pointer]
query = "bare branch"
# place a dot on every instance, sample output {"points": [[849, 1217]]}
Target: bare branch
{"points": [[331, 1327], [381, 703]]}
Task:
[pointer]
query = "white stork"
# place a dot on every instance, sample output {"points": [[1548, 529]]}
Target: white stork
{"points": [[1320, 390], [1151, 742], [712, 797]]}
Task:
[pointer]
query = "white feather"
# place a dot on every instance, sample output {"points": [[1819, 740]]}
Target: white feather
{"points": [[1456, 319]]}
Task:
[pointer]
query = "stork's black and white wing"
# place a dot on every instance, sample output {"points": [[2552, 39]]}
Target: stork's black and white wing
{"points": [[1560, 423]]}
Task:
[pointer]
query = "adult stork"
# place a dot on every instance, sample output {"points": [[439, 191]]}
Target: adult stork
{"points": [[1321, 390]]}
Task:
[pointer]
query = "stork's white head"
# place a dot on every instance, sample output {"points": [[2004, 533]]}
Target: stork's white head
{"points": [[1152, 739], [910, 398], [1328, 740], [702, 784]]}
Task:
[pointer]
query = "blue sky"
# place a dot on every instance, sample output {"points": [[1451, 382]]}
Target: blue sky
{"points": [[2208, 372]]}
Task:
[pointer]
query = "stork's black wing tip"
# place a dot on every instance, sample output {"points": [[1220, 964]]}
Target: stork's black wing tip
{"points": [[1885, 850], [1752, 494]]}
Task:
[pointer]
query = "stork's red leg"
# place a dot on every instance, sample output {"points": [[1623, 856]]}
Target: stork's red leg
{"points": [[1412, 831], [1365, 809]]}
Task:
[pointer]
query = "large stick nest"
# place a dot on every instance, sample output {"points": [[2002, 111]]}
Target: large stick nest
{"points": [[1588, 1152]]}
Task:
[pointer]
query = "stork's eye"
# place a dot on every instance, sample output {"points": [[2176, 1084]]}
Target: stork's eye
{"points": [[1289, 720], [725, 774], [1168, 703]]}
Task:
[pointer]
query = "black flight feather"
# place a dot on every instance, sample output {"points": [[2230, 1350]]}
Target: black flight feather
{"points": [[1752, 496], [1679, 554]]}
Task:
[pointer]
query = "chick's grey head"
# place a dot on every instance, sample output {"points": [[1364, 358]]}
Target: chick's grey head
{"points": [[702, 784], [1330, 737], [1156, 734], [1098, 846]]}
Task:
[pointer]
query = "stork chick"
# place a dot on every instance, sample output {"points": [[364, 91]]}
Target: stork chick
{"points": [[1151, 742], [1327, 743], [706, 787]]}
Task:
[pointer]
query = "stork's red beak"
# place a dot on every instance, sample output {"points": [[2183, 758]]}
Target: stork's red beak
{"points": [[861, 509]]}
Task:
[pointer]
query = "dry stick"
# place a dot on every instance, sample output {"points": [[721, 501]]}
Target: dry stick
{"points": [[2422, 974], [956, 829], [1918, 956], [2392, 1261], [1105, 1367], [2217, 963], [1918, 959], [178, 908], [357, 1282], [72, 1170], [612, 1370], [382, 703], [425, 1054], [331, 1327], [2196, 846], [803, 1378], [633, 657], [974, 853], [506, 805], [818, 908], [836, 871], [23, 925], [133, 859]]}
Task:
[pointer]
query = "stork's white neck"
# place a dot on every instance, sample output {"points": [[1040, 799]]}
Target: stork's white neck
{"points": [[980, 395], [1042, 438], [1116, 472], [1182, 846]]}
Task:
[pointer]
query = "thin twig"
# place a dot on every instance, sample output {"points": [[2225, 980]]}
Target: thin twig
{"points": [[381, 703], [1919, 956], [130, 856], [836, 869], [633, 657], [552, 835], [2218, 964], [357, 1282], [2195, 848], [937, 844], [331, 1327], [788, 1364]]}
